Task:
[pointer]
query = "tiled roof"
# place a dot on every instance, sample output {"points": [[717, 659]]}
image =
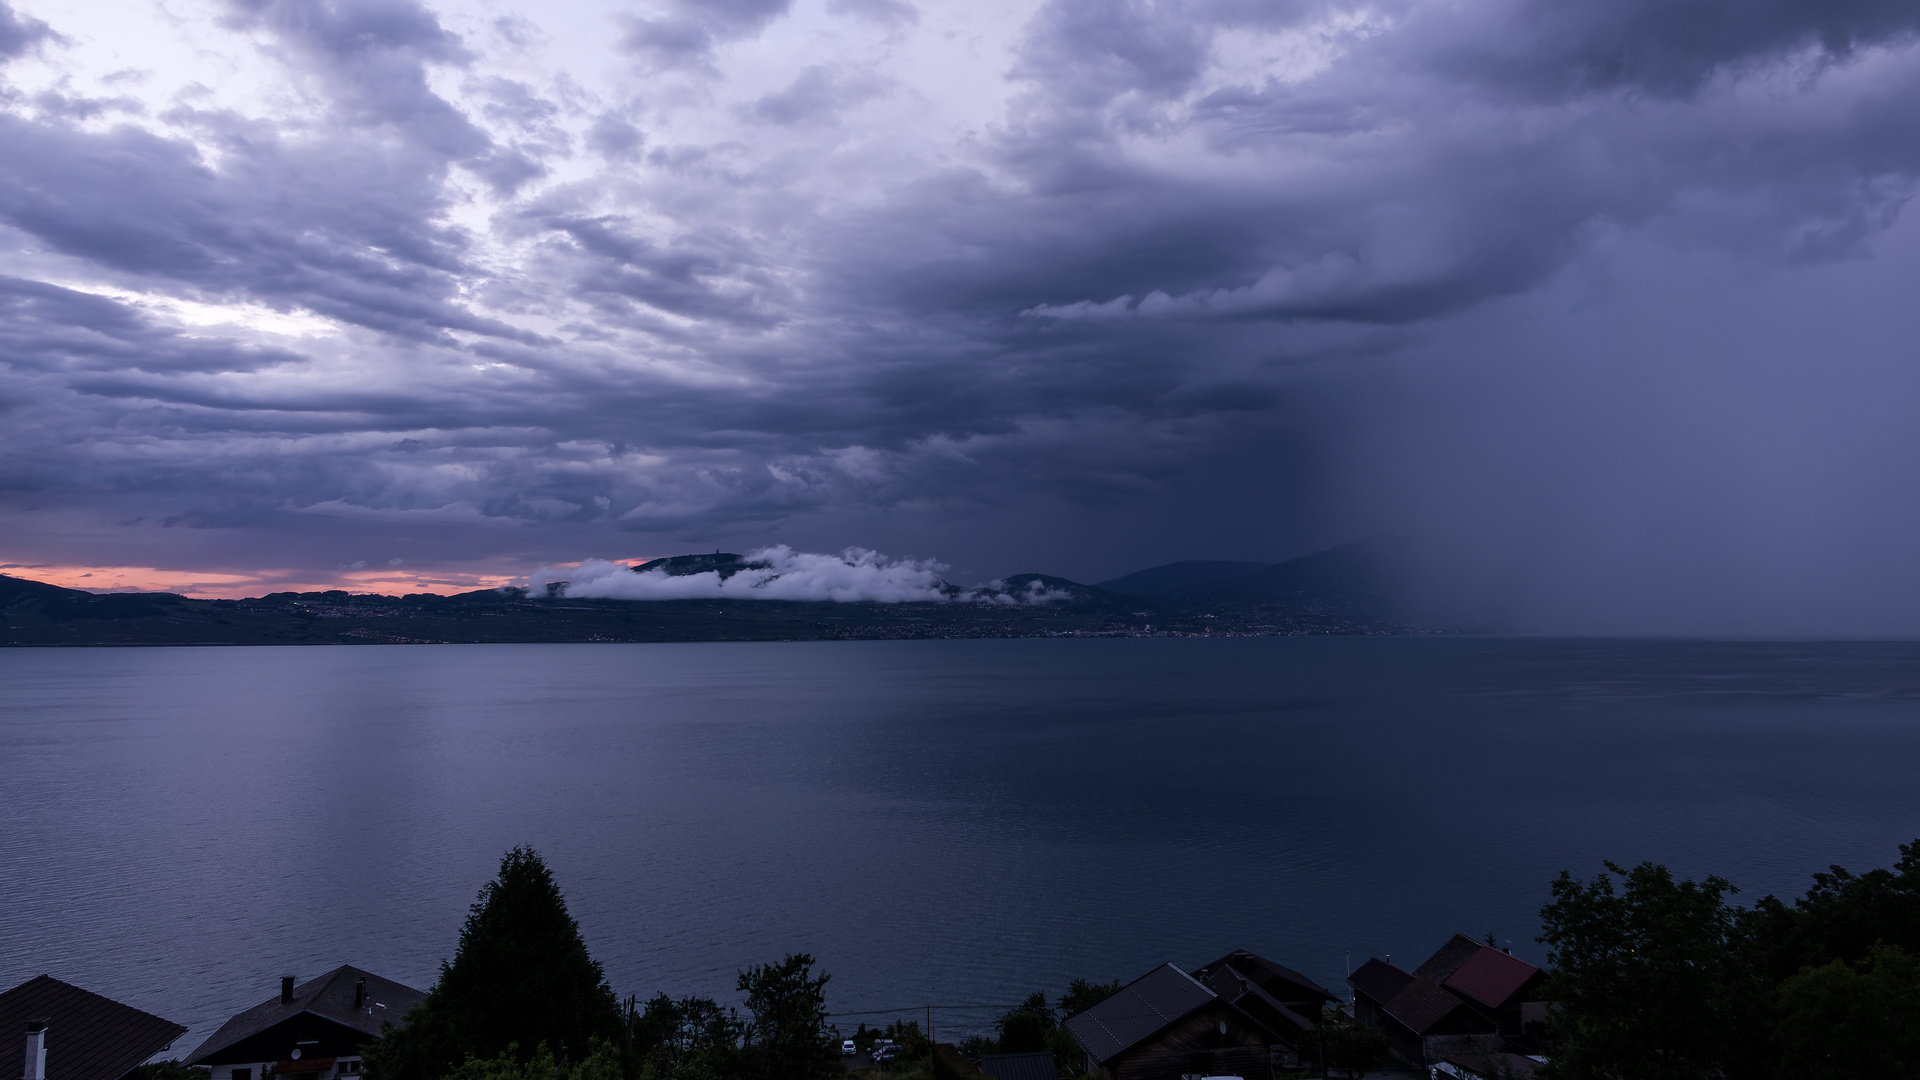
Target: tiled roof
{"points": [[1035, 1066], [330, 996], [1139, 1010], [1264, 971], [1421, 1005], [1448, 958], [1492, 978], [89, 1037], [1379, 980]]}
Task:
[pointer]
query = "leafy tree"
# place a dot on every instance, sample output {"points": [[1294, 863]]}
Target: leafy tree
{"points": [[1655, 980], [689, 1039], [789, 1037], [1840, 1021], [1350, 1048], [521, 977], [1082, 995], [1842, 917], [906, 1034], [1024, 1029], [602, 1062]]}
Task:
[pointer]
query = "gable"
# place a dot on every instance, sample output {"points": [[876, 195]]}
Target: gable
{"points": [[313, 1035], [89, 1037], [1207, 1030]]}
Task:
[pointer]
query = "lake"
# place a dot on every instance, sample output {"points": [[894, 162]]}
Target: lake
{"points": [[956, 823]]}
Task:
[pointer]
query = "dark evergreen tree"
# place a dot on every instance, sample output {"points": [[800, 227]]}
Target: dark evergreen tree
{"points": [[521, 977]]}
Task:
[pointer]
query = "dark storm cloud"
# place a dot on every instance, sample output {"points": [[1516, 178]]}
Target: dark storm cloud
{"points": [[687, 35], [1127, 315], [1663, 47]]}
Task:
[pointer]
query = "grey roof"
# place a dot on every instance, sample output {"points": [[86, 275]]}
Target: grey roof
{"points": [[1379, 980], [1238, 989], [1141, 1009], [1264, 971], [1035, 1066], [89, 1037], [329, 996]]}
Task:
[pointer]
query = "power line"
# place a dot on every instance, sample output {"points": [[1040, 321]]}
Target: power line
{"points": [[912, 1008]]}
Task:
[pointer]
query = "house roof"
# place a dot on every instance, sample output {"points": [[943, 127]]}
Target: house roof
{"points": [[89, 1037], [1138, 1011], [1264, 971], [1492, 978], [1035, 1066], [1447, 959], [1421, 1005], [329, 996], [1379, 980], [1239, 990]]}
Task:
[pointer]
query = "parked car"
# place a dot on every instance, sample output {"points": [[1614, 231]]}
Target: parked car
{"points": [[847, 1047]]}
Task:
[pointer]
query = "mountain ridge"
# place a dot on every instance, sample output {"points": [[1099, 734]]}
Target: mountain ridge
{"points": [[1322, 593]]}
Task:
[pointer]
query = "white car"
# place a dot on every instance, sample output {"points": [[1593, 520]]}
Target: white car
{"points": [[847, 1047]]}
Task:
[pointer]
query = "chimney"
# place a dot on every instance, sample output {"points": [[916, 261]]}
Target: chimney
{"points": [[360, 993], [36, 1068], [286, 989]]}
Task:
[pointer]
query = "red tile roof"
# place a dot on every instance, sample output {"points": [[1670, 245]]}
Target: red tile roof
{"points": [[1492, 978]]}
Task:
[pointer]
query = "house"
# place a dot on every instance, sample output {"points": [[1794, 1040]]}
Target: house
{"points": [[61, 1032], [1032, 1066], [1492, 981], [314, 1031], [1281, 996], [1417, 1016], [1167, 1024]]}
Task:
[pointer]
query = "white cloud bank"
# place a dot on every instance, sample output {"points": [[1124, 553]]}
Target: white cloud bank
{"points": [[781, 573]]}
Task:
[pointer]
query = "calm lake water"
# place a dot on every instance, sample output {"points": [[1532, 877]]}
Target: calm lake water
{"points": [[956, 822]]}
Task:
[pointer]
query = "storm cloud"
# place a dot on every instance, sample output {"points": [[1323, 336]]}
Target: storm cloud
{"points": [[1599, 308]]}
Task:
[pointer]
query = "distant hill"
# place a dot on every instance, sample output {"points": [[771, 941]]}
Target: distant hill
{"points": [[1331, 592], [1350, 580], [1179, 577]]}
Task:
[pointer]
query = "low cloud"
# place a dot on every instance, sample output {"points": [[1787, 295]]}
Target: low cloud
{"points": [[781, 573]]}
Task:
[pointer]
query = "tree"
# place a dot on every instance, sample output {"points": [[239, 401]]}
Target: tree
{"points": [[1840, 1020], [689, 1039], [602, 1062], [1082, 995], [1843, 916], [1024, 1029], [521, 977], [1350, 1048], [1654, 981], [789, 1037]]}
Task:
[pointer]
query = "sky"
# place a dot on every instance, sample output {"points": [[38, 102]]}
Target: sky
{"points": [[1602, 310]]}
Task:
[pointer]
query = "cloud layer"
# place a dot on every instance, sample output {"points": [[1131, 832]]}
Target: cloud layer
{"points": [[1048, 284]]}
